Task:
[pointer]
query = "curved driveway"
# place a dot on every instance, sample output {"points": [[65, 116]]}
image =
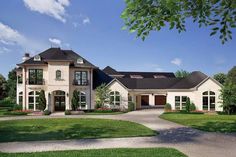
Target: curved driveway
{"points": [[192, 142]]}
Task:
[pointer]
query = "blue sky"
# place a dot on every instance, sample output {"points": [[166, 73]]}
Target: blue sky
{"points": [[93, 29]]}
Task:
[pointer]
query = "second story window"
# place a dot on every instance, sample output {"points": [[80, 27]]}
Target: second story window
{"points": [[58, 75], [19, 79], [35, 76], [81, 78]]}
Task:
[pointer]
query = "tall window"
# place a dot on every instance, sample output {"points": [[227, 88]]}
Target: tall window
{"points": [[20, 98], [36, 76], [33, 100], [82, 99], [180, 102], [81, 78], [58, 75], [115, 98], [208, 100], [19, 79]]}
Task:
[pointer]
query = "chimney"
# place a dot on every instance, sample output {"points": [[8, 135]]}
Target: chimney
{"points": [[26, 57]]}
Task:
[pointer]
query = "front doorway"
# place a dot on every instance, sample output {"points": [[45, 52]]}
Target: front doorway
{"points": [[59, 101]]}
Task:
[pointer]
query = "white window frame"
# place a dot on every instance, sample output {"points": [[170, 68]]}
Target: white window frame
{"points": [[208, 96], [115, 94], [181, 101], [34, 96]]}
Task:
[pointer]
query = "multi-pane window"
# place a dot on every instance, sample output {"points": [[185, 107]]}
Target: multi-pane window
{"points": [[33, 100], [115, 98], [20, 101], [19, 79], [180, 102], [208, 100], [82, 99], [36, 76], [81, 78], [58, 75]]}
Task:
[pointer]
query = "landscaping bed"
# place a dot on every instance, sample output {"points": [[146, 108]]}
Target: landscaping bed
{"points": [[72, 128], [124, 152], [205, 122]]}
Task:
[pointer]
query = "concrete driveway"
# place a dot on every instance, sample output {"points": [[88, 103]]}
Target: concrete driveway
{"points": [[192, 142]]}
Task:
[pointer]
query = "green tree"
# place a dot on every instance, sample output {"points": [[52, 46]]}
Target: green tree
{"points": [[144, 16], [75, 100], [220, 77], [181, 73], [228, 92], [11, 84], [3, 92], [42, 100], [188, 105], [102, 94]]}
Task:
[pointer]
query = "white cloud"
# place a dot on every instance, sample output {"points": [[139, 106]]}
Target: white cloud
{"points": [[4, 50], [11, 37], [86, 20], [55, 41], [176, 61], [53, 8]]}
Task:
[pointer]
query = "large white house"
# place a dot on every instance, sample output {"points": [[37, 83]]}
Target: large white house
{"points": [[59, 72]]}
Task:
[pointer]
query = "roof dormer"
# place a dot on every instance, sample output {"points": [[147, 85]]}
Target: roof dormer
{"points": [[37, 58], [80, 60], [136, 76]]}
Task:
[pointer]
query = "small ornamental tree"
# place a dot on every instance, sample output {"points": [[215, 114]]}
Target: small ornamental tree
{"points": [[42, 100], [102, 94], [188, 103], [75, 100]]}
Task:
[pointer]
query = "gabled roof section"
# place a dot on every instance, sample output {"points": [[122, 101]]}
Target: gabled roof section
{"points": [[57, 54], [100, 77], [110, 71]]}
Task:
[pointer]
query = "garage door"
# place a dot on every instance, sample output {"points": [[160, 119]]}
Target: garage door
{"points": [[144, 100], [160, 100]]}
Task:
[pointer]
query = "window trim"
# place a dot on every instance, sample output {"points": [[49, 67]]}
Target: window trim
{"points": [[36, 80], [80, 81], [181, 102], [58, 72], [35, 95], [210, 94], [114, 95], [80, 95]]}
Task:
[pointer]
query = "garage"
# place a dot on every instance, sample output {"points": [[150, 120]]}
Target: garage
{"points": [[160, 100], [145, 100]]}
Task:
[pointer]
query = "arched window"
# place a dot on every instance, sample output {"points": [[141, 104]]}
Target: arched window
{"points": [[58, 74], [20, 100], [82, 99], [115, 98], [208, 100], [33, 100]]}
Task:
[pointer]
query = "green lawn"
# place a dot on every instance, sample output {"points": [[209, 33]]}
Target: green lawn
{"points": [[211, 123], [123, 152], [69, 128], [103, 113]]}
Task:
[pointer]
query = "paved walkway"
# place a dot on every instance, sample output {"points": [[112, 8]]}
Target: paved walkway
{"points": [[193, 143]]}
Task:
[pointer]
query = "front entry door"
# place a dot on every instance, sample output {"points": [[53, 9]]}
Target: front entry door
{"points": [[59, 103]]}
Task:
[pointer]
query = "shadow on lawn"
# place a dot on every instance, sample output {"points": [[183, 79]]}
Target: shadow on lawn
{"points": [[29, 133], [217, 126]]}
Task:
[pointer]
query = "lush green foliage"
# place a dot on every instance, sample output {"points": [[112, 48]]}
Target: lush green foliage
{"points": [[212, 123], [131, 106], [72, 128], [188, 103], [11, 85], [42, 100], [228, 93], [181, 73], [7, 102], [16, 107], [152, 15], [67, 112], [75, 100], [102, 95], [122, 152], [3, 87], [46, 112], [192, 107], [167, 107], [220, 77]]}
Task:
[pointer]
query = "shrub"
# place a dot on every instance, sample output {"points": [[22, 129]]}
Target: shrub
{"points": [[192, 107], [188, 103], [98, 105], [46, 112], [17, 113], [103, 110], [7, 102], [131, 106], [67, 112], [16, 107], [75, 100], [167, 107], [42, 100]]}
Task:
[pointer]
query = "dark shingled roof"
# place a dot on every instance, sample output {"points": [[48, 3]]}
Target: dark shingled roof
{"points": [[57, 54], [99, 77], [164, 83], [110, 71], [147, 74]]}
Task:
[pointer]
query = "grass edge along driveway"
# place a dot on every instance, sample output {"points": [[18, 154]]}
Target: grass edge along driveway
{"points": [[69, 128], [124, 152], [210, 123]]}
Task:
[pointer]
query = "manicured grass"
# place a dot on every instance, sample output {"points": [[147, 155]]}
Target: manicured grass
{"points": [[123, 152], [5, 112], [211, 123], [71, 128], [100, 113]]}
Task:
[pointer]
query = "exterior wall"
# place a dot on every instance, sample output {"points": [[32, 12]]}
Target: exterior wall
{"points": [[115, 86]]}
